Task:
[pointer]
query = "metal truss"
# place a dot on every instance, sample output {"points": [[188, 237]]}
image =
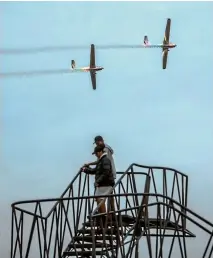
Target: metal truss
{"points": [[151, 219]]}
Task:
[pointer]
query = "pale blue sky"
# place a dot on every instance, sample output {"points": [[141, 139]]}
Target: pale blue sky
{"points": [[149, 115]]}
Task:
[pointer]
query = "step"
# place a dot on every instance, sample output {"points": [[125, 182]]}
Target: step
{"points": [[109, 223], [153, 222], [89, 246], [90, 238], [127, 219], [83, 253], [108, 231], [128, 222]]}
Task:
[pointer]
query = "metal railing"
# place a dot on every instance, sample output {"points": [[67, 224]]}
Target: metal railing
{"points": [[69, 211]]}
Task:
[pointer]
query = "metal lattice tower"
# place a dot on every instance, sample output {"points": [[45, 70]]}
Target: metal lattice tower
{"points": [[151, 219]]}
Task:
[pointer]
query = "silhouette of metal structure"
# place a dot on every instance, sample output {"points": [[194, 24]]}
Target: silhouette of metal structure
{"points": [[151, 219]]}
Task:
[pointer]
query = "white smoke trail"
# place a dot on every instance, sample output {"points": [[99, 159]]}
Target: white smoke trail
{"points": [[36, 73], [11, 51]]}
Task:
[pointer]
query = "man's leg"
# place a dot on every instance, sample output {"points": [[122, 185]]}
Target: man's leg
{"points": [[112, 204], [112, 208], [102, 208]]}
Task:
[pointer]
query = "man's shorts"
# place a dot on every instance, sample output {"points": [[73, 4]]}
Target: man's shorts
{"points": [[103, 190]]}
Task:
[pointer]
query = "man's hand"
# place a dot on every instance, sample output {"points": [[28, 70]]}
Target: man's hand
{"points": [[85, 166], [83, 169]]}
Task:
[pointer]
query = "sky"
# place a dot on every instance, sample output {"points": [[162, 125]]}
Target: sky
{"points": [[148, 115]]}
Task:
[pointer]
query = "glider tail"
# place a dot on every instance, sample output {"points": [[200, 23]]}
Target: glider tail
{"points": [[146, 41], [73, 64]]}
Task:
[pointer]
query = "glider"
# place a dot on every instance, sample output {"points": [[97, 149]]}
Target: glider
{"points": [[93, 69], [165, 46]]}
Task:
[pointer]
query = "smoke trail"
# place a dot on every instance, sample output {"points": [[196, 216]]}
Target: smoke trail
{"points": [[11, 51], [35, 73], [17, 51]]}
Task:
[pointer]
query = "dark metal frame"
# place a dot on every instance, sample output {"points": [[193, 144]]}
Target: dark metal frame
{"points": [[146, 207]]}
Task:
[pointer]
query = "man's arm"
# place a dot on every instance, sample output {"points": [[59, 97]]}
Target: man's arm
{"points": [[91, 163], [107, 151], [90, 171], [106, 166]]}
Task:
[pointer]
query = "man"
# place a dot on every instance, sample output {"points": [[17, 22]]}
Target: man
{"points": [[99, 141], [104, 180]]}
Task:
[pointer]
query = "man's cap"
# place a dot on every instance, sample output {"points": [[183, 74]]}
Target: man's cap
{"points": [[98, 138], [98, 149]]}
